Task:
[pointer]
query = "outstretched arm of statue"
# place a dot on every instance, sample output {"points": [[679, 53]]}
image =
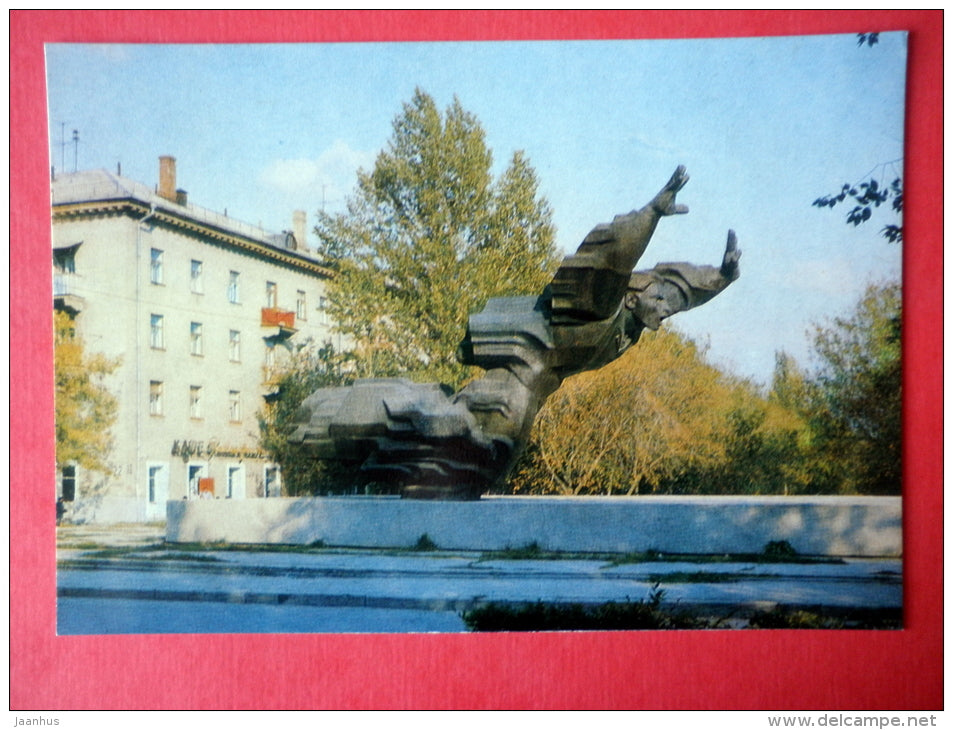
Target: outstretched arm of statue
{"points": [[704, 282], [729, 264], [664, 202], [590, 283], [675, 287], [617, 246]]}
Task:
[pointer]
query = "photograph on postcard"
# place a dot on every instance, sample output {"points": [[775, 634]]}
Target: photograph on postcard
{"points": [[478, 336]]}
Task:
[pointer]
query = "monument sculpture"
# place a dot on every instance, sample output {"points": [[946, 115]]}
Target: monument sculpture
{"points": [[437, 444]]}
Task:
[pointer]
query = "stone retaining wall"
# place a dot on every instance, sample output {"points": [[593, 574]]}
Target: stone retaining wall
{"points": [[837, 526]]}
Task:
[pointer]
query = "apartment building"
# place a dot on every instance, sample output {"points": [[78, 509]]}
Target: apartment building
{"points": [[197, 307]]}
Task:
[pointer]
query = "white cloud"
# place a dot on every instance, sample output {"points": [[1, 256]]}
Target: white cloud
{"points": [[290, 175], [329, 178]]}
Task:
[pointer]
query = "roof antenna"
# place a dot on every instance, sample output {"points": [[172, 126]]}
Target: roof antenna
{"points": [[75, 149]]}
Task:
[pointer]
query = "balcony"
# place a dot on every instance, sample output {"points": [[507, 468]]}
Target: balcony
{"points": [[280, 321], [65, 296], [274, 317]]}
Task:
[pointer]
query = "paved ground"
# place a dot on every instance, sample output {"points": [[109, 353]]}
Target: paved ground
{"points": [[126, 580]]}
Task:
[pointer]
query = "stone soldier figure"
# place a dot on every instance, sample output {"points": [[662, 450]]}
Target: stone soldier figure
{"points": [[434, 443]]}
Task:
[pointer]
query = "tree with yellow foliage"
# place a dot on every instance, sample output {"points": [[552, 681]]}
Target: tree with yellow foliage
{"points": [[629, 426], [661, 420], [85, 409]]}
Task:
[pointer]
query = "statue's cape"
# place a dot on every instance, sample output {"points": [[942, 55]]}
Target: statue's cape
{"points": [[512, 333], [523, 335]]}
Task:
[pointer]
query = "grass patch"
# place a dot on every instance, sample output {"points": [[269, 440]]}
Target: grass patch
{"points": [[652, 615], [318, 546], [532, 551], [220, 546], [134, 556], [120, 552], [80, 546], [187, 556], [776, 551], [612, 616], [186, 550], [705, 576], [782, 618]]}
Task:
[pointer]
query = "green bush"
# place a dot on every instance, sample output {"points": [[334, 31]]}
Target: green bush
{"points": [[425, 544], [779, 550], [612, 616]]}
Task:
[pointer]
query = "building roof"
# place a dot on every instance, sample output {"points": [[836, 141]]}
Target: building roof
{"points": [[90, 190]]}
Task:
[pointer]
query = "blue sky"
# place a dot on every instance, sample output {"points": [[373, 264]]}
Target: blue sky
{"points": [[764, 126]]}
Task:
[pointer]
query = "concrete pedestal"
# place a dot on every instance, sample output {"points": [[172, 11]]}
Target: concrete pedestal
{"points": [[836, 526]]}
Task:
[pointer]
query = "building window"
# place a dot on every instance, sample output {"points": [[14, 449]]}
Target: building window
{"points": [[235, 482], [195, 280], [68, 483], [196, 473], [155, 397], [271, 294], [234, 345], [157, 332], [302, 305], [233, 287], [195, 339], [64, 260], [195, 401], [157, 489], [155, 474], [323, 308], [269, 355], [272, 485], [234, 406], [155, 266]]}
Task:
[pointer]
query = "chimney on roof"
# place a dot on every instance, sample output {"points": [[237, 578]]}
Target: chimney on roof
{"points": [[181, 197], [300, 229], [167, 178]]}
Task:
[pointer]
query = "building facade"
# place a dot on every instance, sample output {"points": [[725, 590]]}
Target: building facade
{"points": [[198, 308]]}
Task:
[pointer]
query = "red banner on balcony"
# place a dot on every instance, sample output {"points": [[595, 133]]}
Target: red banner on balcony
{"points": [[273, 317]]}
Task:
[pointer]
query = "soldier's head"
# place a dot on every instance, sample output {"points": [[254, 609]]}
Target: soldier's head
{"points": [[651, 298]]}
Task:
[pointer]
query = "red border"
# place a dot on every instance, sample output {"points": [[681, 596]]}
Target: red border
{"points": [[778, 670]]}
